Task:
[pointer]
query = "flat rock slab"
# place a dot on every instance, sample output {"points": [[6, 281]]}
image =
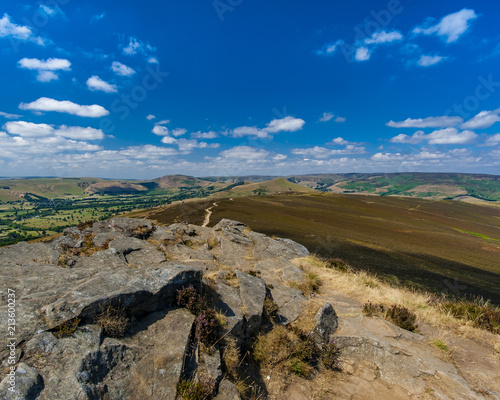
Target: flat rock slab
{"points": [[289, 302], [163, 349], [142, 290]]}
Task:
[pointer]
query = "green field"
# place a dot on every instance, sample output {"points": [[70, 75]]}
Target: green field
{"points": [[420, 243]]}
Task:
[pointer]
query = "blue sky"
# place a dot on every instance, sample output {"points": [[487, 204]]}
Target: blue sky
{"points": [[231, 87]]}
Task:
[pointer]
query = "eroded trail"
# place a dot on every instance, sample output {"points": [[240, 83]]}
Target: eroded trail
{"points": [[209, 213]]}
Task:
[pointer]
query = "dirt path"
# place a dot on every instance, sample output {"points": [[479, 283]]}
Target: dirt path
{"points": [[209, 213]]}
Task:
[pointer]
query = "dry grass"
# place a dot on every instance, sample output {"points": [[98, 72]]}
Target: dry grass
{"points": [[424, 305], [113, 321]]}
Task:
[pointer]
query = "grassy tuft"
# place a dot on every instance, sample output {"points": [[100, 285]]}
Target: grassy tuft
{"points": [[67, 328], [114, 321]]}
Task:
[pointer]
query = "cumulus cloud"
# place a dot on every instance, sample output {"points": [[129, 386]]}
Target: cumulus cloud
{"points": [[153, 60], [247, 153], [493, 140], [45, 68], [430, 122], [287, 124], [384, 37], [95, 83], [204, 135], [9, 116], [326, 117], [483, 120], [340, 120], [427, 61], [322, 152], [19, 32], [249, 131], [161, 130], [341, 142], [121, 69], [32, 130], [150, 117], [187, 145], [451, 27], [136, 46], [451, 136], [65, 106], [362, 54], [442, 136], [417, 137]]}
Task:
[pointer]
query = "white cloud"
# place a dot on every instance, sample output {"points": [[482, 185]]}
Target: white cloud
{"points": [[164, 131], [152, 60], [329, 48], [442, 136], [79, 133], [45, 68], [150, 117], [121, 69], [65, 106], [430, 122], [326, 117], [247, 153], [168, 140], [204, 135], [96, 83], [417, 137], [427, 61], [322, 152], [287, 124], [46, 76], [28, 129], [32, 130], [340, 120], [483, 120], [163, 122], [9, 116], [384, 37], [362, 54], [340, 142], [19, 32], [51, 64], [451, 26], [249, 131], [451, 136], [135, 46], [493, 140], [187, 145]]}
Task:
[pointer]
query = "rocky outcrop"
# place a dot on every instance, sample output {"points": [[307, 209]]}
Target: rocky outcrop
{"points": [[98, 315]]}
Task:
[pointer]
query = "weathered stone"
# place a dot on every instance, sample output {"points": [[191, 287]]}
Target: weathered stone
{"points": [[253, 294], [326, 323], [230, 305], [163, 347], [105, 259], [139, 228], [227, 391], [141, 290], [102, 239], [209, 365], [289, 302], [42, 343], [28, 384], [23, 252], [234, 231]]}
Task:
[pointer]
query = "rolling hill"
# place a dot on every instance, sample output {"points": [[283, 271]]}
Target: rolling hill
{"points": [[443, 246]]}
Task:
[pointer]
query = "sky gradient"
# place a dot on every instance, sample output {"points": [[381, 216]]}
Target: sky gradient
{"points": [[234, 87]]}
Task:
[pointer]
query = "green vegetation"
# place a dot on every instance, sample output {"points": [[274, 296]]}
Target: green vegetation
{"points": [[479, 235], [440, 345], [449, 186], [480, 313], [397, 314]]}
